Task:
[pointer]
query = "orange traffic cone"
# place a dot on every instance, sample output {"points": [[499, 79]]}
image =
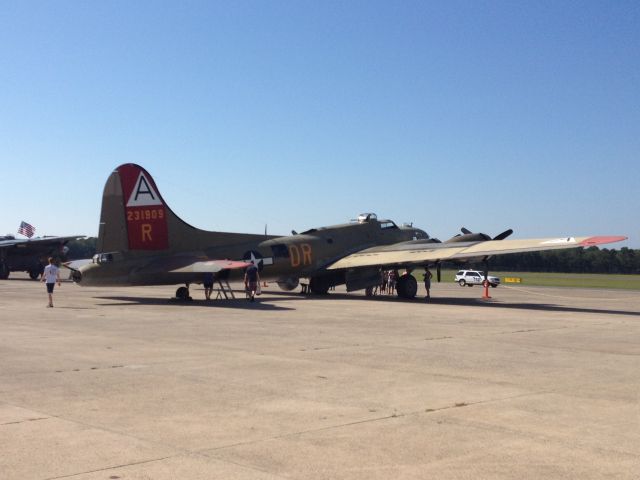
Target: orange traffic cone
{"points": [[486, 289]]}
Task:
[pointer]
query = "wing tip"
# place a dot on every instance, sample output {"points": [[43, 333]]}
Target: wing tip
{"points": [[599, 240]]}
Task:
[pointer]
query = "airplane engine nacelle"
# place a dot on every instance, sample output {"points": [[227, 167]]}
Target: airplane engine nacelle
{"points": [[289, 283]]}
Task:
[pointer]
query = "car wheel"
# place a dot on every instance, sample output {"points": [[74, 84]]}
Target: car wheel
{"points": [[462, 282], [494, 285]]}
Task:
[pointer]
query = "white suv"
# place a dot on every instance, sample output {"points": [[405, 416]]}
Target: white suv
{"points": [[474, 277]]}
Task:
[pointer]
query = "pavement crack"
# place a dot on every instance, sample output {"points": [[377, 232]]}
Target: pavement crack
{"points": [[24, 421], [394, 415], [71, 475]]}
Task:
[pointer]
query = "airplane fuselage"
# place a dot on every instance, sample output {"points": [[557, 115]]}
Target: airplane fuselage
{"points": [[284, 259]]}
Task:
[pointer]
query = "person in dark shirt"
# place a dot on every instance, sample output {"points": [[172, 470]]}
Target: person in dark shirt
{"points": [[251, 280], [207, 283], [427, 281]]}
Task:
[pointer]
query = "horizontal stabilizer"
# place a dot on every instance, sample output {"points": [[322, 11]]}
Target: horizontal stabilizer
{"points": [[211, 266]]}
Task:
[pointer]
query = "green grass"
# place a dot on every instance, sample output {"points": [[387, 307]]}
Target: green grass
{"points": [[580, 280]]}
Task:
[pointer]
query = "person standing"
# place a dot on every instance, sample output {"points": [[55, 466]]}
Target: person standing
{"points": [[427, 281], [251, 280], [391, 281], [51, 275], [207, 283]]}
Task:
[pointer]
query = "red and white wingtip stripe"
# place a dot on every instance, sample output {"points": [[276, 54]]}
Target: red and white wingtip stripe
{"points": [[591, 241]]}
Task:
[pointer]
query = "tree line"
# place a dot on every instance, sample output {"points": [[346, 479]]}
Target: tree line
{"points": [[573, 260]]}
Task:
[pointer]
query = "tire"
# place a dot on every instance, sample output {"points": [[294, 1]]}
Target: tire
{"points": [[34, 273], [4, 271], [319, 286], [462, 282], [407, 287], [182, 293], [494, 285]]}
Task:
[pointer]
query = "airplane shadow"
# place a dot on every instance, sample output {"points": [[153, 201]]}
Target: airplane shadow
{"points": [[544, 307], [239, 303], [455, 301], [262, 303]]}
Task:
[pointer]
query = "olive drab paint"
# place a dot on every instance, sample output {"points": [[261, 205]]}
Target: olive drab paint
{"points": [[141, 241], [145, 213]]}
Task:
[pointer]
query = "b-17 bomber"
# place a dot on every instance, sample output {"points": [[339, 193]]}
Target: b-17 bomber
{"points": [[141, 241]]}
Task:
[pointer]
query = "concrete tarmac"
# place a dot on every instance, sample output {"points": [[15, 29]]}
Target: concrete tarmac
{"points": [[120, 383]]}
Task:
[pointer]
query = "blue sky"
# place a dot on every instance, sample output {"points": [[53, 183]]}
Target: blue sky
{"points": [[295, 114]]}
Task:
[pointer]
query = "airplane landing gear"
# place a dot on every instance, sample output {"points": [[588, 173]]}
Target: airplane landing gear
{"points": [[319, 285], [407, 286], [182, 293], [4, 271], [34, 273]]}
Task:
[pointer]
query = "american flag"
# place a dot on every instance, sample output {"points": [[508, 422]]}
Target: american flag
{"points": [[26, 229]]}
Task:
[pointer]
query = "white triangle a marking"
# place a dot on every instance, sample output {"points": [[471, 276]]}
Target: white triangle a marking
{"points": [[143, 194]]}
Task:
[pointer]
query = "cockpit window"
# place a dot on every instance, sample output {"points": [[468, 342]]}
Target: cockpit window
{"points": [[388, 224], [280, 251]]}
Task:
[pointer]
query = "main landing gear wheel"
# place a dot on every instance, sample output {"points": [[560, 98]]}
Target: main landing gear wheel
{"points": [[407, 286], [36, 272], [4, 271], [182, 293], [319, 286]]}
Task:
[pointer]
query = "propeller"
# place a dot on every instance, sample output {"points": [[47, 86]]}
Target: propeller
{"points": [[503, 235]]}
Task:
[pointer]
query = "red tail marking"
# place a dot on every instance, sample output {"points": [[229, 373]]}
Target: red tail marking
{"points": [[145, 212]]}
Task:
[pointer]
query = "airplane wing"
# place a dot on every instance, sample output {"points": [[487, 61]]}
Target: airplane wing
{"points": [[211, 266], [419, 253], [37, 242]]}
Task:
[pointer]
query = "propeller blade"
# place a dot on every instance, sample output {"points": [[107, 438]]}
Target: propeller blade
{"points": [[503, 235]]}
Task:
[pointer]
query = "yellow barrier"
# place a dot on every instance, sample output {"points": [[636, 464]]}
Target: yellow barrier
{"points": [[512, 280]]}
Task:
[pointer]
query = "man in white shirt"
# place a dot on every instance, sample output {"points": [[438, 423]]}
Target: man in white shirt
{"points": [[51, 275]]}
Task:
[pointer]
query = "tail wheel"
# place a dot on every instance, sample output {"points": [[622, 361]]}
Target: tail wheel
{"points": [[462, 282]]}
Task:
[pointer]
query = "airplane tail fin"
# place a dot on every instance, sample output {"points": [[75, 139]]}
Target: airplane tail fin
{"points": [[135, 217]]}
